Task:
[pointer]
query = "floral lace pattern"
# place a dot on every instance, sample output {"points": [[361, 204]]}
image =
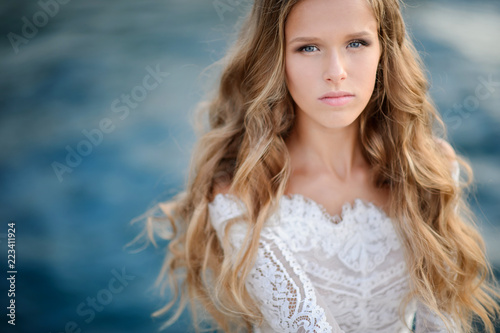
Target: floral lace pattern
{"points": [[320, 273], [288, 302]]}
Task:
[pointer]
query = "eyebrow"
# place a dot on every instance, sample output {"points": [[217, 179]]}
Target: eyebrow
{"points": [[314, 39]]}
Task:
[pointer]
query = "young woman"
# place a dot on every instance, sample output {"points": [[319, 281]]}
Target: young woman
{"points": [[320, 198]]}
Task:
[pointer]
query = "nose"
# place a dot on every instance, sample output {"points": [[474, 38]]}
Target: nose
{"points": [[334, 70]]}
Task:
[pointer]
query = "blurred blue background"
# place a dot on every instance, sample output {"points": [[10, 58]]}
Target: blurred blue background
{"points": [[66, 71]]}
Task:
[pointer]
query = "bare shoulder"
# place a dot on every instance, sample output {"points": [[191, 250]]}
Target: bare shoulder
{"points": [[218, 188], [221, 188], [447, 149]]}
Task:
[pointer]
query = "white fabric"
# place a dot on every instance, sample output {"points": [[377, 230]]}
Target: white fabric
{"points": [[320, 273]]}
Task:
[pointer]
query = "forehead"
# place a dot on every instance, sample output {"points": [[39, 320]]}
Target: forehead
{"points": [[330, 17]]}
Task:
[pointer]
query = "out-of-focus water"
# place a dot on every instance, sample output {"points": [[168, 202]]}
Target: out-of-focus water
{"points": [[66, 82]]}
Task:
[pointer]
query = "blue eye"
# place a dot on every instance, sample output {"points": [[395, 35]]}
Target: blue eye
{"points": [[308, 48], [357, 44]]}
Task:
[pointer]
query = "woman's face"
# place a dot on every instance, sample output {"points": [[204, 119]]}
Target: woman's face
{"points": [[332, 47]]}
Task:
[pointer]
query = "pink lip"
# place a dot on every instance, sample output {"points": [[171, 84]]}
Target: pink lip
{"points": [[336, 98]]}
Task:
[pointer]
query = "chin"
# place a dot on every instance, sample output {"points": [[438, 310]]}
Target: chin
{"points": [[341, 121], [338, 124]]}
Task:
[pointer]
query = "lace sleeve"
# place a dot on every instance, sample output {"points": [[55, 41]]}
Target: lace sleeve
{"points": [[277, 283], [285, 294], [428, 322]]}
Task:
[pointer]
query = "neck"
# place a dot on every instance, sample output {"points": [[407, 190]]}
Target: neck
{"points": [[318, 149]]}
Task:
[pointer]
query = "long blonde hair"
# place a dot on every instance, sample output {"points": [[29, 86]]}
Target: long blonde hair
{"points": [[250, 115]]}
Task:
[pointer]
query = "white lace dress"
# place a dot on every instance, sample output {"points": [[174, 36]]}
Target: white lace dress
{"points": [[320, 273]]}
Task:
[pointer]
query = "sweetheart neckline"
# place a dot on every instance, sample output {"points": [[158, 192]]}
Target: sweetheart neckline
{"points": [[336, 219], [344, 209]]}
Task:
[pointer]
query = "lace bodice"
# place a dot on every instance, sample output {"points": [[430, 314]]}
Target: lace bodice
{"points": [[320, 273]]}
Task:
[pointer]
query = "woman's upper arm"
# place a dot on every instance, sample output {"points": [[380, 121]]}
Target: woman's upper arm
{"points": [[276, 282], [429, 322], [284, 293]]}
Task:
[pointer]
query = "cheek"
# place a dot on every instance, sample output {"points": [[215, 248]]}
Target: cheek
{"points": [[292, 76], [299, 74], [366, 72]]}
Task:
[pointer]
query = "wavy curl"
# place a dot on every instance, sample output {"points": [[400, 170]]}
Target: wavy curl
{"points": [[243, 151]]}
